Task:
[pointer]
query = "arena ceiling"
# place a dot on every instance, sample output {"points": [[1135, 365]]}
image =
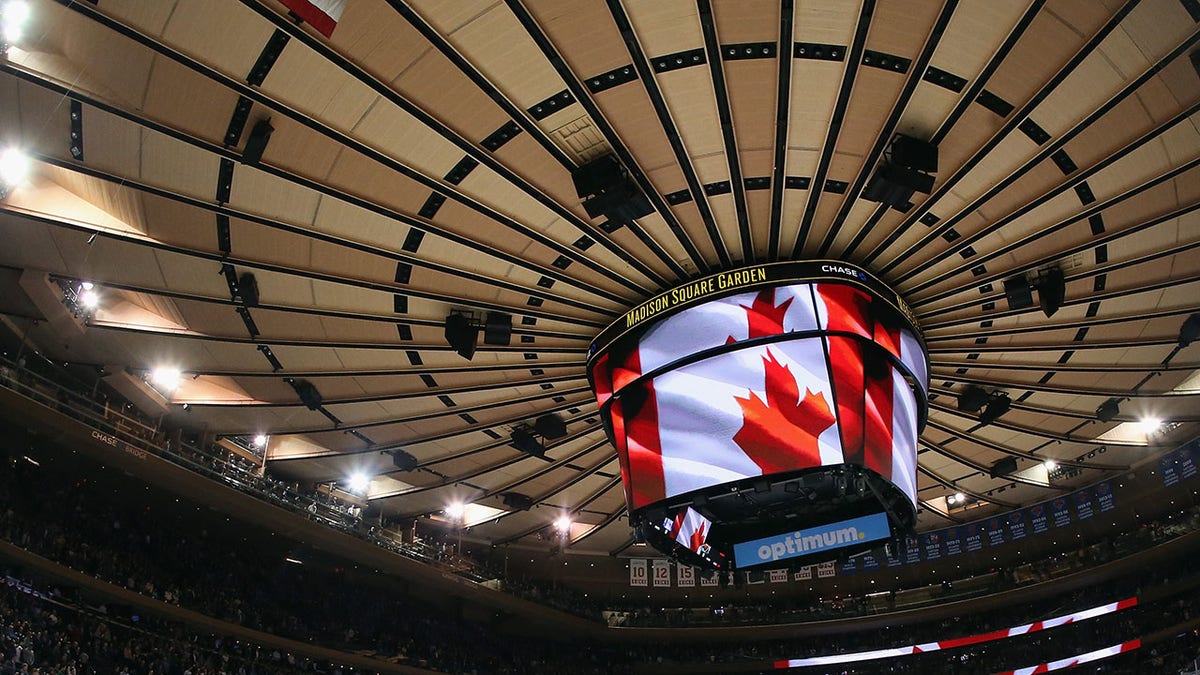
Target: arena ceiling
{"points": [[420, 163]]}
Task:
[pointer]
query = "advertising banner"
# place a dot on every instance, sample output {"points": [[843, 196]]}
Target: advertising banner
{"points": [[812, 540]]}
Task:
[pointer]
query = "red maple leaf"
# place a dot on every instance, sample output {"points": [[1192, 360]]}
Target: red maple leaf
{"points": [[781, 433], [763, 316]]}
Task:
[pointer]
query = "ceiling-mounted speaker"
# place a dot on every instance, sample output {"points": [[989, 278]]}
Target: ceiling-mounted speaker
{"points": [[309, 396], [524, 440], [550, 426], [497, 329], [248, 289], [972, 398], [403, 460], [608, 191], [894, 185], [1018, 292], [1189, 331], [1004, 467], [517, 501], [997, 405], [1108, 410], [462, 334], [256, 142], [914, 153], [1052, 290]]}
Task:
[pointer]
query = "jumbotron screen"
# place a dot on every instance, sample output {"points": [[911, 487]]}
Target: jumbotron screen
{"points": [[771, 372]]}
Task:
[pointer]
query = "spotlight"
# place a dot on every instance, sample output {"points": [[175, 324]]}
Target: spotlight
{"points": [[14, 169], [563, 523], [997, 405], [456, 510], [1109, 410], [166, 379], [359, 483], [13, 17], [260, 441], [959, 497], [1050, 465], [86, 285], [1189, 331], [1150, 425], [88, 298], [972, 398]]}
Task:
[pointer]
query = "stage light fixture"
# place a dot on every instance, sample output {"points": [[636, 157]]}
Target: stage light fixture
{"points": [[455, 510], [1150, 425], [959, 497], [1050, 465], [563, 523], [260, 441], [88, 298]]}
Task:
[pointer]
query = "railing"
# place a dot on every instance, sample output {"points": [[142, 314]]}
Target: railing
{"points": [[142, 436]]}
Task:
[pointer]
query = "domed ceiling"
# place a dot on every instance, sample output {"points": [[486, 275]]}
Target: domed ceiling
{"points": [[420, 162]]}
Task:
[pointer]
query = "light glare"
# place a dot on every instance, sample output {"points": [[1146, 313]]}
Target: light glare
{"points": [[359, 483], [456, 510], [165, 378], [89, 298], [563, 523], [14, 167], [260, 440], [1051, 465]]}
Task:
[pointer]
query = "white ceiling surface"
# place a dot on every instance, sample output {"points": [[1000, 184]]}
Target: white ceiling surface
{"points": [[370, 122]]}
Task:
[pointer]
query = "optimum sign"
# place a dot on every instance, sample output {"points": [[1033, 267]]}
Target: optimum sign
{"points": [[813, 540]]}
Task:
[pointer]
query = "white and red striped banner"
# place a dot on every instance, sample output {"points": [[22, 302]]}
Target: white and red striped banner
{"points": [[322, 15], [1073, 661], [971, 640]]}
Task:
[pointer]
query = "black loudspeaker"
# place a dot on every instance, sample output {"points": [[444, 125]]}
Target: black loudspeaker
{"points": [[1052, 290], [914, 153], [403, 460], [607, 191], [996, 406], [894, 185], [1018, 292], [1189, 331], [550, 426], [1004, 467], [1108, 410], [497, 329], [972, 398], [256, 142], [462, 334], [517, 501], [309, 396], [248, 289], [526, 442]]}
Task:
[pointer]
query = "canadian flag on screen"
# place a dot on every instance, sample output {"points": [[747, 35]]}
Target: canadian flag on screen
{"points": [[322, 15], [689, 528], [767, 408]]}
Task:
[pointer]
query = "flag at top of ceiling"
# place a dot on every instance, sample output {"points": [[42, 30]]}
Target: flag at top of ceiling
{"points": [[320, 14]]}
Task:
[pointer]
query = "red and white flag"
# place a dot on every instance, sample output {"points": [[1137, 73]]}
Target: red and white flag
{"points": [[767, 408], [689, 528], [322, 15]]}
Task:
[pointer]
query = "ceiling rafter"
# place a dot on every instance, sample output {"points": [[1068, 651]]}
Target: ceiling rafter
{"points": [[1013, 121], [584, 97]]}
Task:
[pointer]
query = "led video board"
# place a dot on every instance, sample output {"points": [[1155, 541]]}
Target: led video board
{"points": [[770, 371]]}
